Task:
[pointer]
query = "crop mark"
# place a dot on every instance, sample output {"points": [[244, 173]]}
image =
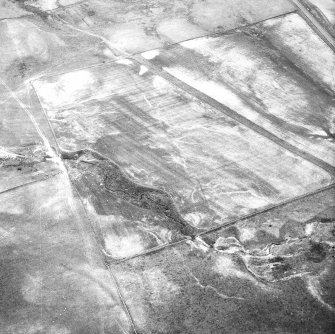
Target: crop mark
{"points": [[115, 181]]}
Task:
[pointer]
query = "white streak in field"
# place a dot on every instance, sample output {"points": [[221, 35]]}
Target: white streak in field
{"points": [[124, 61], [4, 153], [287, 278], [210, 287], [313, 286], [309, 229], [105, 40], [150, 54], [47, 145], [147, 101], [143, 69]]}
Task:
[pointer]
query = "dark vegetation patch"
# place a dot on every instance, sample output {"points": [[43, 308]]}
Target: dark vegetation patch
{"points": [[316, 253], [10, 284], [19, 164], [117, 183], [24, 4], [22, 68], [280, 269], [276, 259]]}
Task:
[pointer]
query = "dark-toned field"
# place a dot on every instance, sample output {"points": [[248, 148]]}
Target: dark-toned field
{"points": [[166, 167]]}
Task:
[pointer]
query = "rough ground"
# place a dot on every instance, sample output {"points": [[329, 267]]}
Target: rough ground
{"points": [[167, 166]]}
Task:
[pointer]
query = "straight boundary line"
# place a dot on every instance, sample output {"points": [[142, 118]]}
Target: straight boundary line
{"points": [[227, 224], [96, 239], [235, 115], [230, 113], [272, 207], [43, 177], [212, 102], [130, 55], [314, 24]]}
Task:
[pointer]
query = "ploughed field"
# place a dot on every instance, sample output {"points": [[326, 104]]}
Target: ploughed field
{"points": [[166, 167]]}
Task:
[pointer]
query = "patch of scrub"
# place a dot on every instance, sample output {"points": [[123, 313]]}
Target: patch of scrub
{"points": [[130, 219], [293, 254]]}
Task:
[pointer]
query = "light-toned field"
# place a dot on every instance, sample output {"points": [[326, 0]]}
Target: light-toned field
{"points": [[165, 167], [277, 74]]}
